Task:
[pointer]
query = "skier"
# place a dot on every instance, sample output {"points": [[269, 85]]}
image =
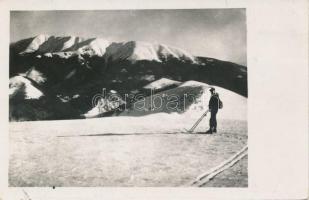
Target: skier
{"points": [[213, 106]]}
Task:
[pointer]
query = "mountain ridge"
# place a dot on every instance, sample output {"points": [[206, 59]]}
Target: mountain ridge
{"points": [[70, 71], [131, 50]]}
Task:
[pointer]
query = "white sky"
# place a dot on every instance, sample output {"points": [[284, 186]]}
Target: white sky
{"points": [[217, 33]]}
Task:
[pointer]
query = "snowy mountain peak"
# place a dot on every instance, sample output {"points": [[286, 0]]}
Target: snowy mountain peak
{"points": [[137, 50], [50, 44], [114, 51], [36, 43]]}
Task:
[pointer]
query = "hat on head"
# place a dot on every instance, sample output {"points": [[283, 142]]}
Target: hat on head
{"points": [[212, 89]]}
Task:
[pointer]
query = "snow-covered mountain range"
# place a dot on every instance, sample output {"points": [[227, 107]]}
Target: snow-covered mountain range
{"points": [[57, 77], [133, 50]]}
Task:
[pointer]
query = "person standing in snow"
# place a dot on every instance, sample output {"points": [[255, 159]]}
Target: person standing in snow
{"points": [[213, 109]]}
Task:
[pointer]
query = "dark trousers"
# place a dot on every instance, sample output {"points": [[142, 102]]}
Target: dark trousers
{"points": [[213, 120]]}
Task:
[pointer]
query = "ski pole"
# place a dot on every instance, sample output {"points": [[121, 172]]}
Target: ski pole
{"points": [[198, 121]]}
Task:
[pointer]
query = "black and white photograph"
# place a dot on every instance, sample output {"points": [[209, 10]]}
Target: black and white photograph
{"points": [[128, 98], [158, 100]]}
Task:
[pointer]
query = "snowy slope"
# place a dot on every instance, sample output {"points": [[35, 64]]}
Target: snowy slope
{"points": [[234, 105], [190, 100], [22, 86], [161, 84], [34, 75]]}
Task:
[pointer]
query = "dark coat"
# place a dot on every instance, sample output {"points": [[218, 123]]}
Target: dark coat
{"points": [[213, 104]]}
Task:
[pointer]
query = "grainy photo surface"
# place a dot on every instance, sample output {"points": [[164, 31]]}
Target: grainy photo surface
{"points": [[128, 98]]}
